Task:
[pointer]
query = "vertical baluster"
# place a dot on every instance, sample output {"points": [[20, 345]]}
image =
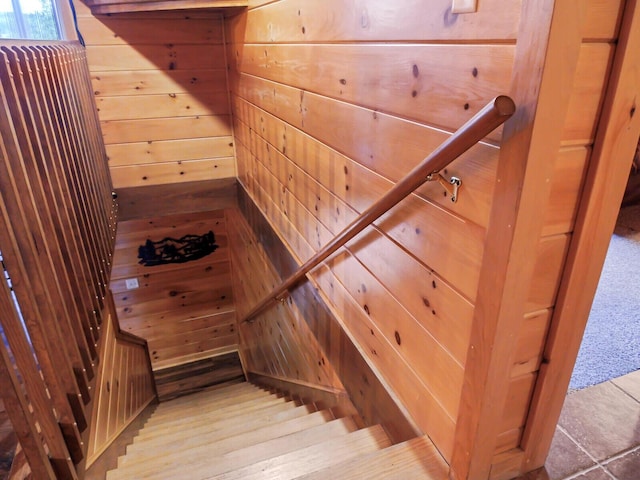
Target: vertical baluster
{"points": [[70, 148], [80, 263], [21, 237], [97, 154], [27, 177], [60, 85], [37, 169], [85, 165], [35, 389]]}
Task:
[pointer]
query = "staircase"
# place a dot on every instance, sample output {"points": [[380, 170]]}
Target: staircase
{"points": [[244, 432]]}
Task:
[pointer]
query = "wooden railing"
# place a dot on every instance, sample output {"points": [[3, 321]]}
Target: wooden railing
{"points": [[57, 231], [495, 113]]}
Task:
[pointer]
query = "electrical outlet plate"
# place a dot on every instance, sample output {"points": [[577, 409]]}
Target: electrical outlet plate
{"points": [[131, 283], [464, 6]]}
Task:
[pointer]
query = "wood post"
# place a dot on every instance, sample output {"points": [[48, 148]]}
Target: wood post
{"points": [[613, 151], [547, 53]]}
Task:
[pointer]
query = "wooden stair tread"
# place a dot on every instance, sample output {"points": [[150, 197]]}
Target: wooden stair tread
{"points": [[416, 458], [209, 460], [244, 436], [239, 440], [216, 421], [310, 459], [214, 414], [202, 406], [229, 429], [207, 397], [243, 439], [212, 395]]}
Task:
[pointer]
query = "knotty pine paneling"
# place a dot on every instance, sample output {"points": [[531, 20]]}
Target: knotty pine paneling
{"points": [[279, 345], [124, 387], [259, 258], [332, 105], [185, 311], [160, 86], [434, 84], [202, 196], [419, 20], [311, 173]]}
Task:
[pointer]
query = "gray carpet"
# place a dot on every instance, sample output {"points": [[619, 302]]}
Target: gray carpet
{"points": [[611, 343]]}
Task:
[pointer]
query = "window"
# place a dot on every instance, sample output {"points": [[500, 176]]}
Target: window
{"points": [[29, 19]]}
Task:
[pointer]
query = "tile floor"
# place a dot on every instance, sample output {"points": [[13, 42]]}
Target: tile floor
{"points": [[598, 435]]}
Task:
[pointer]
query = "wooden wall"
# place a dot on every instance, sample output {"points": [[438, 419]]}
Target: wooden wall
{"points": [[299, 347], [186, 311], [124, 385], [160, 86], [332, 105], [322, 131], [280, 346], [563, 92]]}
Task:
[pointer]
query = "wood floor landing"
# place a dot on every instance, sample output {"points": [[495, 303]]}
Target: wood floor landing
{"points": [[185, 311]]}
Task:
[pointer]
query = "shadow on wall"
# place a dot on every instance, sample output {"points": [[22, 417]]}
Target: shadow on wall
{"points": [[160, 85]]}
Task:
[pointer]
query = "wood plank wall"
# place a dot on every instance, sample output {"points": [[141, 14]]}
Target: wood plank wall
{"points": [[322, 131], [160, 84], [186, 311], [280, 346], [299, 347], [332, 104], [124, 385]]}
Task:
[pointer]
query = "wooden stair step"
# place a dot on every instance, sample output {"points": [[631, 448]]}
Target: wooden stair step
{"points": [[201, 407], [313, 458], [207, 461], [208, 396], [212, 413], [218, 421], [213, 395], [416, 458], [228, 444], [273, 416], [215, 414]]}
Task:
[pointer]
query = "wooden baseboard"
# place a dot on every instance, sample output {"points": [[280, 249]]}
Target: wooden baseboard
{"points": [[160, 200]]}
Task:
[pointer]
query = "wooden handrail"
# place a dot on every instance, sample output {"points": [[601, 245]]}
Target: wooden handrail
{"points": [[494, 114]]}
